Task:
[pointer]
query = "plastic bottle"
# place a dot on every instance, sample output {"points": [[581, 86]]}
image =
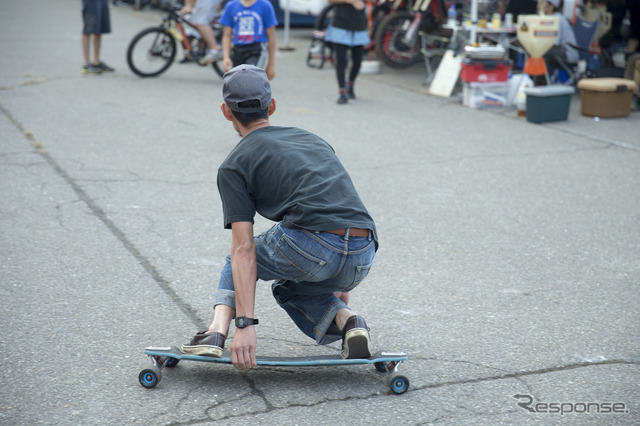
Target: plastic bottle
{"points": [[524, 81], [495, 21], [521, 104], [508, 20], [452, 14]]}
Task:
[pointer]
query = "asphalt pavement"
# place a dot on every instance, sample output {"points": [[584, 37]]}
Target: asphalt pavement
{"points": [[508, 269]]}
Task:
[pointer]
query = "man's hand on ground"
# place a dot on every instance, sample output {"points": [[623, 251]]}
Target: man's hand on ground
{"points": [[243, 348]]}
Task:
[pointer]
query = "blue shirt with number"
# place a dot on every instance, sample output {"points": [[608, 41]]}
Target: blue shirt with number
{"points": [[249, 24]]}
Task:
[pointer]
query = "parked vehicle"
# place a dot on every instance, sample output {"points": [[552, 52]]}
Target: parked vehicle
{"points": [[397, 40], [304, 7]]}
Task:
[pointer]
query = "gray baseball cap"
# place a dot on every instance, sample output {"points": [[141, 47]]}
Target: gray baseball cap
{"points": [[246, 83]]}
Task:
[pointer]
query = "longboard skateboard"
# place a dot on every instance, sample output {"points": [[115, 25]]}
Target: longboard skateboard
{"points": [[384, 362]]}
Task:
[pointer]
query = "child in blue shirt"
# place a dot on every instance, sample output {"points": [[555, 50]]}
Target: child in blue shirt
{"points": [[251, 26]]}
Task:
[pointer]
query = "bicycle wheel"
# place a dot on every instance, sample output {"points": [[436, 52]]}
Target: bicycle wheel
{"points": [[217, 31], [217, 67], [320, 50], [151, 52], [390, 46], [323, 20]]}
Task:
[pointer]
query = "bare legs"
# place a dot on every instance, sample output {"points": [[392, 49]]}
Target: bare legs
{"points": [[87, 41], [223, 315]]}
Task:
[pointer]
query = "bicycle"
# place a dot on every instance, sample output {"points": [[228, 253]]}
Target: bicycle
{"points": [[152, 51]]}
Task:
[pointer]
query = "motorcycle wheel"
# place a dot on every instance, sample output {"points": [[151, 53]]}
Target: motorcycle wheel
{"points": [[389, 44]]}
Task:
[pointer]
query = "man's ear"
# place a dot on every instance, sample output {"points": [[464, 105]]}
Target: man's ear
{"points": [[272, 106], [226, 111]]}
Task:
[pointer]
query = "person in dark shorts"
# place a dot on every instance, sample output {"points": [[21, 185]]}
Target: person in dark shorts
{"points": [[250, 25], [95, 18], [321, 247]]}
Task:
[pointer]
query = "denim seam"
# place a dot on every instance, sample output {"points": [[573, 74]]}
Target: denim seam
{"points": [[339, 269], [345, 253]]}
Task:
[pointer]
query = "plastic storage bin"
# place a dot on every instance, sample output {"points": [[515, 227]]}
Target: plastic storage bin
{"points": [[606, 97], [548, 103], [483, 95], [484, 70]]}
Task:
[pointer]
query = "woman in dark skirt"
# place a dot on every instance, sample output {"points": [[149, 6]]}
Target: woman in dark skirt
{"points": [[348, 31]]}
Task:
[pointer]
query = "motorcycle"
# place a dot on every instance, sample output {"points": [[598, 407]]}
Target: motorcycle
{"points": [[397, 40]]}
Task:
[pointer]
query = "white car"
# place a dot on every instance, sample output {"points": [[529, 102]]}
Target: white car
{"points": [[304, 7]]}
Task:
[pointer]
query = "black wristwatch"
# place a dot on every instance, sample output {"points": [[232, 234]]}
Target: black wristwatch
{"points": [[242, 322]]}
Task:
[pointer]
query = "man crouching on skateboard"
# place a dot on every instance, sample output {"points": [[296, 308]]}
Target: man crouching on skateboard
{"points": [[322, 247]]}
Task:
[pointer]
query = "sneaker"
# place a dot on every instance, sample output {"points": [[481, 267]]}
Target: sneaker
{"points": [[350, 91], [211, 56], [355, 339], [104, 67], [344, 97], [207, 344], [91, 69]]}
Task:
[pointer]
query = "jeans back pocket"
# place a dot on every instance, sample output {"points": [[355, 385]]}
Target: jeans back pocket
{"points": [[294, 262], [360, 274]]}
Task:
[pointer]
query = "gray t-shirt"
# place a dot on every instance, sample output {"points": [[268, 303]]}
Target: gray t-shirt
{"points": [[291, 176]]}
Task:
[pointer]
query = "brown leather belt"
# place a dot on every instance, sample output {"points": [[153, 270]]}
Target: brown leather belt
{"points": [[353, 232]]}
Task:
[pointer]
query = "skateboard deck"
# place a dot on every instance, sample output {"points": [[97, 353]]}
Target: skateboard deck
{"points": [[168, 357]]}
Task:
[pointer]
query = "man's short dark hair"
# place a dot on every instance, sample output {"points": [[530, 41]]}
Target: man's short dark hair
{"points": [[246, 118]]}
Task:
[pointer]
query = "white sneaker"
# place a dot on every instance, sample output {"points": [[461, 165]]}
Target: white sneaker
{"points": [[211, 56]]}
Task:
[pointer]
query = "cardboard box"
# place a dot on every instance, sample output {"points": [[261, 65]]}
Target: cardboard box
{"points": [[548, 103], [485, 95], [606, 97]]}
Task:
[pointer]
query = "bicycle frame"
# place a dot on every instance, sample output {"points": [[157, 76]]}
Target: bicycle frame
{"points": [[173, 23]]}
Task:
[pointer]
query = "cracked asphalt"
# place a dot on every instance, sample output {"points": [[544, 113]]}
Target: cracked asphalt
{"points": [[509, 261]]}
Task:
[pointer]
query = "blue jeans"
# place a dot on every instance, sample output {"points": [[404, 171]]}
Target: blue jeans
{"points": [[308, 267]]}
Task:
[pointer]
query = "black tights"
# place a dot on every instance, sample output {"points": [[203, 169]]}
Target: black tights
{"points": [[357, 53]]}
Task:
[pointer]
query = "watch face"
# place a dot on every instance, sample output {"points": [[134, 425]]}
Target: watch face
{"points": [[242, 322]]}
